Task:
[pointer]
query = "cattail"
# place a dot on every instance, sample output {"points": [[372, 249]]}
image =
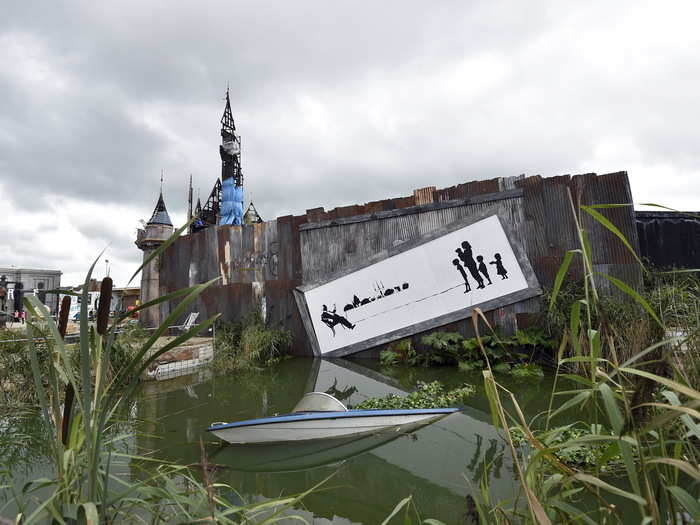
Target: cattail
{"points": [[70, 393], [63, 316], [103, 307]]}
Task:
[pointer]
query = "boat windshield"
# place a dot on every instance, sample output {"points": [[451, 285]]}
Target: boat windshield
{"points": [[319, 402]]}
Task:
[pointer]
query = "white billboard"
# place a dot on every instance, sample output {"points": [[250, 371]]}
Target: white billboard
{"points": [[430, 282]]}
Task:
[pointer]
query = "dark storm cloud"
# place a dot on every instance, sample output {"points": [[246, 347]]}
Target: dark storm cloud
{"points": [[337, 102]]}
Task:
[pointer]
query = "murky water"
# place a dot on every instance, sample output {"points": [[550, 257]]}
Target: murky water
{"points": [[436, 464]]}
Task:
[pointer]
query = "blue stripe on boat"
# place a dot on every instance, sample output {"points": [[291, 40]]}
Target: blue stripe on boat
{"points": [[305, 416]]}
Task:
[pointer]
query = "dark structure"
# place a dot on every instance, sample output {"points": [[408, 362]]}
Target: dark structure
{"points": [[669, 239], [156, 232], [230, 149], [262, 263], [160, 213], [225, 202]]}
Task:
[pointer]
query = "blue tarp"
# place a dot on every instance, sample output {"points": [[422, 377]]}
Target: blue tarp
{"points": [[231, 203]]}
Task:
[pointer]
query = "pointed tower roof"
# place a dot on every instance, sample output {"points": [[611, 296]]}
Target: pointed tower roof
{"points": [[227, 123], [251, 215], [160, 213]]}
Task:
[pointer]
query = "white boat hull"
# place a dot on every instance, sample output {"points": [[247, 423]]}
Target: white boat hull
{"points": [[305, 430]]}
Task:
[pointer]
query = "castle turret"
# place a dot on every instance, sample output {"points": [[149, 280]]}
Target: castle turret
{"points": [[157, 230], [231, 208]]}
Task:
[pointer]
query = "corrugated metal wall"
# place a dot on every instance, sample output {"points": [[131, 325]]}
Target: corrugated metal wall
{"points": [[669, 239], [265, 262]]}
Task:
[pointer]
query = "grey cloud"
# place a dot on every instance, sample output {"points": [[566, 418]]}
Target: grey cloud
{"points": [[135, 87]]}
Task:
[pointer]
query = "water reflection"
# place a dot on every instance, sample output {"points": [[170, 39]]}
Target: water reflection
{"points": [[435, 463]]}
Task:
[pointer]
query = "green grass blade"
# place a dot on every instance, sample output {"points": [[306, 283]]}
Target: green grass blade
{"points": [[559, 279], [578, 399], [597, 482], [613, 411], [400, 505], [156, 301], [634, 295], [688, 502], [668, 383], [85, 364], [170, 320], [178, 341], [612, 229], [686, 467]]}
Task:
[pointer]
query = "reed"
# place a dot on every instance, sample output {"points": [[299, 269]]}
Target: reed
{"points": [[640, 409], [80, 406]]}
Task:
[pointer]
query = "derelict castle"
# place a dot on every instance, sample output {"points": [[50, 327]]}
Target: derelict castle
{"points": [[294, 267]]}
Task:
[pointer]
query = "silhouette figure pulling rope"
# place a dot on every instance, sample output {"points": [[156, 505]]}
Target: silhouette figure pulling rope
{"points": [[467, 288]]}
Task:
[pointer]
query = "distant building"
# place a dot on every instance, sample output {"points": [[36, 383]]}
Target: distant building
{"points": [[21, 281]]}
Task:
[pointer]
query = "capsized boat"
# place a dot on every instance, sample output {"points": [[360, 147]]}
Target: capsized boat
{"points": [[321, 416]]}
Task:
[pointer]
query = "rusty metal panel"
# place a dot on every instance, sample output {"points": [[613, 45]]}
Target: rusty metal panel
{"points": [[607, 249], [334, 247], [236, 251], [277, 255]]}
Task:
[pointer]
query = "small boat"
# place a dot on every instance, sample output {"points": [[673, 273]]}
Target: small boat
{"points": [[321, 416], [297, 456]]}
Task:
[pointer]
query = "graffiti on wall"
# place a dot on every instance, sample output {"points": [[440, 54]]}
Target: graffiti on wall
{"points": [[473, 265]]}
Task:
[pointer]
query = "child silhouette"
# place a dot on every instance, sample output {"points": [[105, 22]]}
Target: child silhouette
{"points": [[482, 267], [500, 270], [464, 274]]}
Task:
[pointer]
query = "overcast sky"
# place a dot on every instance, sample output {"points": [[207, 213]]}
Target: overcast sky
{"points": [[337, 102]]}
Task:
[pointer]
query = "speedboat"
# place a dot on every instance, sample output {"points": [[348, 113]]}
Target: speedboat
{"points": [[321, 416], [294, 456]]}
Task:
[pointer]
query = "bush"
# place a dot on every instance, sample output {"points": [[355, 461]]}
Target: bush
{"points": [[249, 343]]}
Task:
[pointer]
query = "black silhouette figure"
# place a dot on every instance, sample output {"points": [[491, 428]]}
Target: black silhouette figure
{"points": [[482, 268], [331, 319], [464, 274], [468, 260], [500, 270]]}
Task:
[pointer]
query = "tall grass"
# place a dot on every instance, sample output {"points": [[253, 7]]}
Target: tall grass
{"points": [[640, 408], [80, 407], [249, 343]]}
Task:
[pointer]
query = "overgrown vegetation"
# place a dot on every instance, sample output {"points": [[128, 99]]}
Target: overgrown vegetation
{"points": [[641, 409], [586, 454], [16, 379], [249, 343], [16, 383], [80, 407], [509, 355], [426, 395]]}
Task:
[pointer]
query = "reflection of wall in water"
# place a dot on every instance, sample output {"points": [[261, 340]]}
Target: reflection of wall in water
{"points": [[439, 453]]}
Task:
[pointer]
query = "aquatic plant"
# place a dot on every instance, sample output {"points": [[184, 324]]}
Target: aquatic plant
{"points": [[426, 395], [587, 454], [80, 409], [16, 382], [507, 355], [249, 343], [641, 413]]}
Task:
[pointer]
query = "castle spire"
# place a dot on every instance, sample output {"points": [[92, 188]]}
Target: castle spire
{"points": [[160, 213], [230, 210], [228, 126]]}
